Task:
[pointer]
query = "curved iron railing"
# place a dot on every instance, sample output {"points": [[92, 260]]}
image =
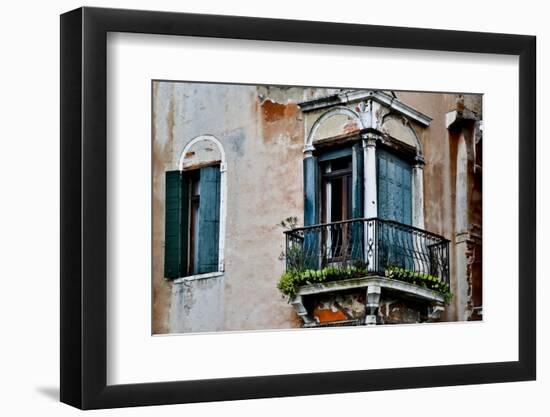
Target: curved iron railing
{"points": [[373, 244]]}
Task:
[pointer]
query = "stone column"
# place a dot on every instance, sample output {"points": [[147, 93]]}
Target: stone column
{"points": [[370, 196], [417, 187], [369, 152], [462, 282], [418, 193]]}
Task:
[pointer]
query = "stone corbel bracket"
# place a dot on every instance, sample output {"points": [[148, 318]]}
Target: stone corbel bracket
{"points": [[455, 119]]}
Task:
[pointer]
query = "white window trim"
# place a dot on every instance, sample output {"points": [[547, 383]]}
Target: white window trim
{"points": [[223, 206], [198, 277]]}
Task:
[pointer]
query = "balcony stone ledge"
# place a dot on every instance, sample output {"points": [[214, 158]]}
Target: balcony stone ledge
{"points": [[373, 286], [364, 282]]}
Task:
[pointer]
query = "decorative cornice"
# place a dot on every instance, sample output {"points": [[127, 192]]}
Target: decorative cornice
{"points": [[352, 96], [419, 161], [370, 138]]}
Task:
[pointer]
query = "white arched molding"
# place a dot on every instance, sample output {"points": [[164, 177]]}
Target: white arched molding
{"points": [[223, 198], [201, 138], [336, 111], [419, 147], [416, 142]]}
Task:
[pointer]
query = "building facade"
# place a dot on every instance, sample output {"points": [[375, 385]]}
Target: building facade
{"points": [[285, 207]]}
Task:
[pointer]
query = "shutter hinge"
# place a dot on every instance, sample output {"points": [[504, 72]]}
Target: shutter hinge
{"points": [[223, 167]]}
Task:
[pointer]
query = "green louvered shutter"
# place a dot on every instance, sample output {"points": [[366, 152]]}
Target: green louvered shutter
{"points": [[209, 219], [395, 203], [176, 224]]}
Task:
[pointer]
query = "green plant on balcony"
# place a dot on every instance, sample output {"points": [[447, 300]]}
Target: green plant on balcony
{"points": [[293, 278], [420, 279], [289, 223], [296, 258]]}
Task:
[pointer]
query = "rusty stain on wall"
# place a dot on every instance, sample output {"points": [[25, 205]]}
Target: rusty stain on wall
{"points": [[273, 112], [351, 127]]}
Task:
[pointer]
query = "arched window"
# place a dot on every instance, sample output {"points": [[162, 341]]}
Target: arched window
{"points": [[195, 211], [357, 166]]}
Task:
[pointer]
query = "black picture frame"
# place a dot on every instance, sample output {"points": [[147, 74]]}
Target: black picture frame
{"points": [[84, 207]]}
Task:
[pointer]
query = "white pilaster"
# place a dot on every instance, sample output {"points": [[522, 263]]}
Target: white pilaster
{"points": [[371, 198], [369, 152], [418, 195]]}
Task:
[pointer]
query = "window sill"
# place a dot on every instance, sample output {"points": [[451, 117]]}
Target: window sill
{"points": [[197, 277]]}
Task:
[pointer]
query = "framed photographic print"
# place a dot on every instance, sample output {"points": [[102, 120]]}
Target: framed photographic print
{"points": [[256, 208]]}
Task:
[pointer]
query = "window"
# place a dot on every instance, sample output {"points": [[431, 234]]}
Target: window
{"points": [[194, 205], [192, 222], [340, 200], [336, 190], [336, 206]]}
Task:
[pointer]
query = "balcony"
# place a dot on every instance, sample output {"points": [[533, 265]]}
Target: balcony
{"points": [[373, 256]]}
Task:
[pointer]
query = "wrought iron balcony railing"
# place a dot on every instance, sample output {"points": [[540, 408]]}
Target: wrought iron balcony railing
{"points": [[379, 247]]}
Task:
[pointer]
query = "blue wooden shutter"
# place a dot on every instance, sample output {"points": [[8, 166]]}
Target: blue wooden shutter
{"points": [[357, 202], [394, 188], [311, 191], [357, 182], [209, 219], [175, 224], [394, 203]]}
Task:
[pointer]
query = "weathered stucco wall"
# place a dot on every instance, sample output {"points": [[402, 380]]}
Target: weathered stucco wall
{"points": [[262, 131], [262, 135]]}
